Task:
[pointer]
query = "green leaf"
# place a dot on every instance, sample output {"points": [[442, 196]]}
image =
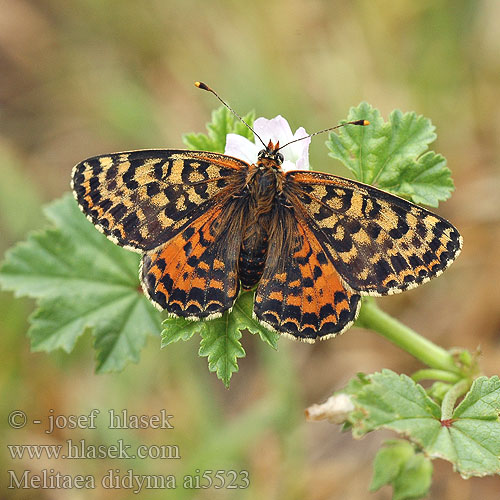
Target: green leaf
{"points": [[82, 281], [221, 344], [470, 440], [175, 329], [396, 402], [242, 312], [221, 337], [393, 155], [356, 383], [426, 181], [408, 472], [475, 430], [389, 461], [223, 123]]}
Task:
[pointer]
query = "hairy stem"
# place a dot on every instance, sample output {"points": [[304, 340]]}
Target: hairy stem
{"points": [[435, 374], [432, 355]]}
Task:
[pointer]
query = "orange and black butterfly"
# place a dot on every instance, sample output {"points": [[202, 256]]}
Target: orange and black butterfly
{"points": [[208, 225]]}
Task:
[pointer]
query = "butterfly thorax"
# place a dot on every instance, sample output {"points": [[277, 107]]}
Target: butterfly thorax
{"points": [[264, 185]]}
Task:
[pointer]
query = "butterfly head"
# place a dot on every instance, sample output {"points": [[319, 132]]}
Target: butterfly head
{"points": [[271, 153]]}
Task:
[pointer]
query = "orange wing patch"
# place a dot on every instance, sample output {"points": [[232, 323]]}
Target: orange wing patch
{"points": [[194, 275], [305, 297]]}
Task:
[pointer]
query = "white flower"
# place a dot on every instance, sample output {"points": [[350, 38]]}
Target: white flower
{"points": [[296, 154]]}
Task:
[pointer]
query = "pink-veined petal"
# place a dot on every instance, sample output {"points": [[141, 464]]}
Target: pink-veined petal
{"points": [[276, 129], [240, 147], [298, 152]]}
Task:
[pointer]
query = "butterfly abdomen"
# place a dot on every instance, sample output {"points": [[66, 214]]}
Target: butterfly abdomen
{"points": [[252, 258]]}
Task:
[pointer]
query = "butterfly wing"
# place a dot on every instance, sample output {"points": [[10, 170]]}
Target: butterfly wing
{"points": [[300, 293], [194, 275], [141, 199], [379, 243], [176, 208]]}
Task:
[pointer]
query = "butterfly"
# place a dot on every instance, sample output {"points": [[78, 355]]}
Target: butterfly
{"points": [[311, 244]]}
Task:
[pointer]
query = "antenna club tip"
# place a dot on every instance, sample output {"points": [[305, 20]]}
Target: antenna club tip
{"points": [[202, 86], [360, 122]]}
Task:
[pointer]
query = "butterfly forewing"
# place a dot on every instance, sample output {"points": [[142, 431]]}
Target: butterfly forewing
{"points": [[141, 199], [379, 243]]}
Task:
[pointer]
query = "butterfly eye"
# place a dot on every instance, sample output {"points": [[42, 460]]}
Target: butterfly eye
{"points": [[280, 158], [262, 152]]}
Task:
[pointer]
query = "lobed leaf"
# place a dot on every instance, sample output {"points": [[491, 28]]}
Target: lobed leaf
{"points": [[223, 123], [470, 440], [220, 342], [393, 155], [175, 329], [243, 314], [82, 281], [407, 471], [221, 336]]}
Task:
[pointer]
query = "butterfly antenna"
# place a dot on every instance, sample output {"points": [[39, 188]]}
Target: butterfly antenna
{"points": [[204, 86], [363, 123]]}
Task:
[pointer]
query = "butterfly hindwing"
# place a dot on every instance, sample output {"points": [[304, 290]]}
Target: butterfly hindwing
{"points": [[301, 294], [194, 275], [141, 199], [379, 243]]}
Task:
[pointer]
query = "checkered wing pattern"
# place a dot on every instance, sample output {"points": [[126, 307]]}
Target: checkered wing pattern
{"points": [[301, 294], [326, 240], [379, 243], [194, 275], [142, 199]]}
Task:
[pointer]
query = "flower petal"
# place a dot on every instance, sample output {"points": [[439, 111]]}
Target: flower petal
{"points": [[240, 147], [289, 165], [298, 152], [276, 129]]}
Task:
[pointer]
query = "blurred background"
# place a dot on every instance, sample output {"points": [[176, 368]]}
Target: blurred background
{"points": [[94, 76]]}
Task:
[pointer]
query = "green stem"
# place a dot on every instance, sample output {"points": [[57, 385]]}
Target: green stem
{"points": [[434, 374], [432, 355], [450, 398]]}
